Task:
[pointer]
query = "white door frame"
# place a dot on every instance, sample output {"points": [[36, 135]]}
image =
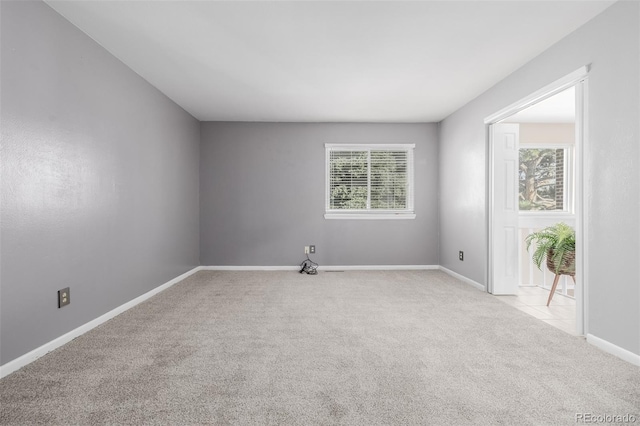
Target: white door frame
{"points": [[578, 78]]}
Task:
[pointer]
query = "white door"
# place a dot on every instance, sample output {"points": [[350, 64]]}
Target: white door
{"points": [[503, 276]]}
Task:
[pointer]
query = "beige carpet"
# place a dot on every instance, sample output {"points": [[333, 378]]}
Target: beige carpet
{"points": [[359, 347]]}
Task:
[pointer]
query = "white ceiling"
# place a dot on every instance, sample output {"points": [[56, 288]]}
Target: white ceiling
{"points": [[393, 61]]}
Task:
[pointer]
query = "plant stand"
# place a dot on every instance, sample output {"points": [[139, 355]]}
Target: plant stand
{"points": [[555, 284], [567, 267]]}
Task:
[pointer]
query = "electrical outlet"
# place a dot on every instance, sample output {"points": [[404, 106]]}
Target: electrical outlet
{"points": [[312, 249], [64, 297], [306, 249], [461, 255]]}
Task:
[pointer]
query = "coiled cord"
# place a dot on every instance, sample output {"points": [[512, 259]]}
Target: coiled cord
{"points": [[308, 266]]}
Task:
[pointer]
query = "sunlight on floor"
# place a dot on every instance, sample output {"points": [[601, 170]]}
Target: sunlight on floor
{"points": [[561, 313]]}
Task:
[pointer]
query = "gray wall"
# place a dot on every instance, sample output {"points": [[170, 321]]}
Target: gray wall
{"points": [[610, 43], [99, 180], [262, 189]]}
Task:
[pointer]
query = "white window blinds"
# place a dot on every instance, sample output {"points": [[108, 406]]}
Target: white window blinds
{"points": [[370, 178]]}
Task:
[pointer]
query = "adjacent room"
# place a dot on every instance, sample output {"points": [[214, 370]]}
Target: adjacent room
{"points": [[238, 212]]}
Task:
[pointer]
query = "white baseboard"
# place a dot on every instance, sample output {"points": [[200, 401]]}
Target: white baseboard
{"points": [[250, 268], [376, 267], [29, 357], [614, 349], [463, 278], [321, 268], [20, 362]]}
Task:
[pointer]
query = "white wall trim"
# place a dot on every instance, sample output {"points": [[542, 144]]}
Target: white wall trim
{"points": [[578, 78], [367, 146], [321, 268], [370, 216], [582, 194], [249, 268], [29, 357], [546, 92], [463, 278], [376, 267], [616, 350]]}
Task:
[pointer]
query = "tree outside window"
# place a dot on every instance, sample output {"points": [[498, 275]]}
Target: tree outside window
{"points": [[541, 174]]}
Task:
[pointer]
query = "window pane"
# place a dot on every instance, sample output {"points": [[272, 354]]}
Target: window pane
{"points": [[370, 178], [541, 176], [388, 180], [348, 180]]}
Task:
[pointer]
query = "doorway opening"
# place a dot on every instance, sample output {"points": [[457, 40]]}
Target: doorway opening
{"points": [[535, 180]]}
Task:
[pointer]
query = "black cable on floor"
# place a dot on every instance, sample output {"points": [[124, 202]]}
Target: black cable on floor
{"points": [[309, 266]]}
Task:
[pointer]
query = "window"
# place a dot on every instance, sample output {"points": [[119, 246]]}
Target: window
{"points": [[369, 181], [545, 179]]}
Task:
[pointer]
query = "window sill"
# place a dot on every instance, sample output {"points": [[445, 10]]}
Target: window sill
{"points": [[546, 213], [369, 216]]}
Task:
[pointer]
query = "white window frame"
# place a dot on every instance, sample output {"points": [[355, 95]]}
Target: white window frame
{"points": [[408, 213], [569, 200]]}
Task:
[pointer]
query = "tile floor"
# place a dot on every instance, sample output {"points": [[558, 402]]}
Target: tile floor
{"points": [[561, 313]]}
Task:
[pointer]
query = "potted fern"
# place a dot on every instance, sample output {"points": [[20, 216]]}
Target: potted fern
{"points": [[556, 244]]}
